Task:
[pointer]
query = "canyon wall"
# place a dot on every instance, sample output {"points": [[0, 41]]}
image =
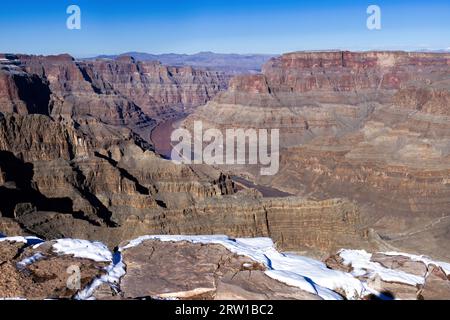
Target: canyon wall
{"points": [[59, 180], [372, 127], [119, 92]]}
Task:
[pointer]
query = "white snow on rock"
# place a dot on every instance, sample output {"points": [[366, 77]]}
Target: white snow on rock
{"points": [[21, 239], [362, 266], [27, 261], [112, 278], [96, 251], [308, 274], [83, 249], [426, 260]]}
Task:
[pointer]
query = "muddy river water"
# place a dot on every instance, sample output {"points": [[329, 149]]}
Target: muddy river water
{"points": [[160, 137]]}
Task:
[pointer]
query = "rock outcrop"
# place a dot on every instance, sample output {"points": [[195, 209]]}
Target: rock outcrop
{"points": [[209, 268], [199, 272], [21, 92], [38, 274]]}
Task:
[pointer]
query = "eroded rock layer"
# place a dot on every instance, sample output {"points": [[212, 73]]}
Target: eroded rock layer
{"points": [[119, 92], [373, 127], [59, 179]]}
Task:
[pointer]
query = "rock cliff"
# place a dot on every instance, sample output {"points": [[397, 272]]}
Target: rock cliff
{"points": [[372, 127], [119, 92]]}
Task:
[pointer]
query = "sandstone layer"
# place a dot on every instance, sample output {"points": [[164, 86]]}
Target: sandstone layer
{"points": [[93, 181], [120, 92], [372, 127], [75, 161], [199, 272]]}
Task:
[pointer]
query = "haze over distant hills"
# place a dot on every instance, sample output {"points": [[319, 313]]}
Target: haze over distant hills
{"points": [[230, 63]]}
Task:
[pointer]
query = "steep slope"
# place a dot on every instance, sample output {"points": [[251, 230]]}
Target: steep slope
{"points": [[66, 181], [122, 93], [372, 127], [159, 90], [83, 168]]}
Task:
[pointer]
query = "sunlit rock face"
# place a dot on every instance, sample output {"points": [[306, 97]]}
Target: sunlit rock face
{"points": [[62, 181], [78, 163], [121, 92], [372, 127]]}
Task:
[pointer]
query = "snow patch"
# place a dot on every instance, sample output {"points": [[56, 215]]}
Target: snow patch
{"points": [[363, 266], [20, 239], [27, 261], [112, 278], [83, 249]]}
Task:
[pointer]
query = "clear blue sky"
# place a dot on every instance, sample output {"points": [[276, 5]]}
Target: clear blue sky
{"points": [[240, 26]]}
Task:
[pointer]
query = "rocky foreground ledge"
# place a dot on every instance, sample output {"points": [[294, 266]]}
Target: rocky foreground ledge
{"points": [[209, 267]]}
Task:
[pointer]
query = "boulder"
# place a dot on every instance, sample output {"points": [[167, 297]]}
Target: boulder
{"points": [[185, 270], [402, 263]]}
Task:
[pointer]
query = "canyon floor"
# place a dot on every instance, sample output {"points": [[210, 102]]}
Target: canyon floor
{"points": [[363, 186]]}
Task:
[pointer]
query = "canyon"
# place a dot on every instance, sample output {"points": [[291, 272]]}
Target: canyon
{"points": [[371, 127], [81, 163], [231, 64], [364, 161]]}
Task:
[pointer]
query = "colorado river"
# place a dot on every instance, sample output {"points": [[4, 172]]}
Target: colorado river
{"points": [[160, 137]]}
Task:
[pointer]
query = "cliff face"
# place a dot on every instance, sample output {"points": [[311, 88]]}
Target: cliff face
{"points": [[21, 92], [82, 168], [372, 127], [61, 179], [158, 89], [119, 92]]}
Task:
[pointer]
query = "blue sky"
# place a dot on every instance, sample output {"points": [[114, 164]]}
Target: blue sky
{"points": [[238, 26]]}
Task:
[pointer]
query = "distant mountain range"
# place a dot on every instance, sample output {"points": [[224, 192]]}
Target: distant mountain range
{"points": [[230, 63], [447, 50]]}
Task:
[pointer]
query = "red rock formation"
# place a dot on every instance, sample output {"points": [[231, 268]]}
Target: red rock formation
{"points": [[371, 126], [121, 93], [157, 89]]}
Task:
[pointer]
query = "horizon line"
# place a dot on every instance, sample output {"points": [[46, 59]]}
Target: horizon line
{"points": [[93, 56]]}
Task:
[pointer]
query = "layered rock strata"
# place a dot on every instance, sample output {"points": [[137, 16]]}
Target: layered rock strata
{"points": [[120, 92], [372, 127]]}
